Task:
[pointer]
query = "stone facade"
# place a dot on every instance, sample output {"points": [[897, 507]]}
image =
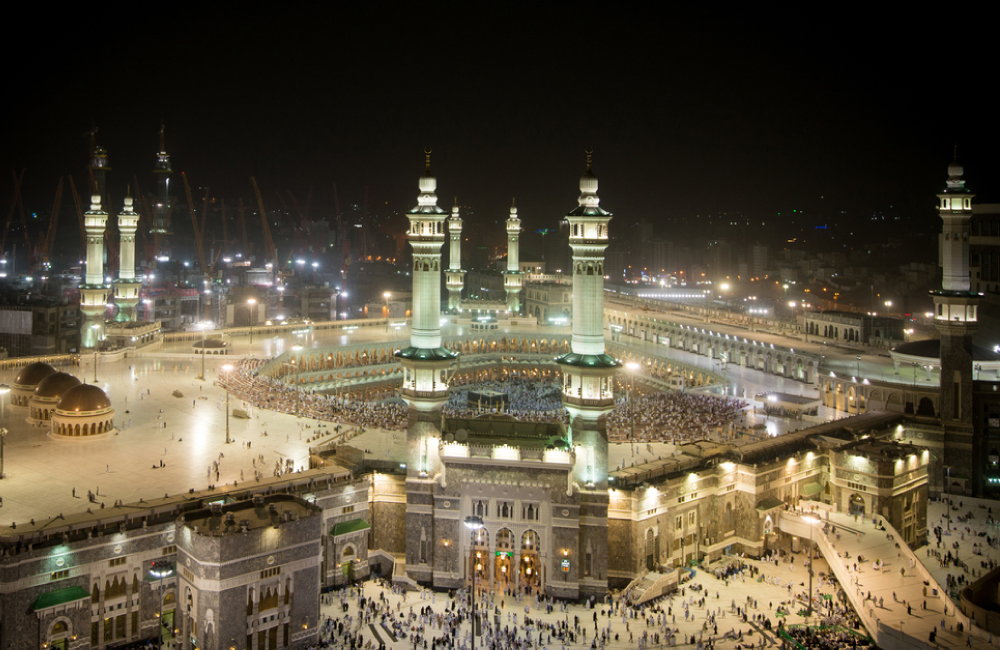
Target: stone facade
{"points": [[87, 580]]}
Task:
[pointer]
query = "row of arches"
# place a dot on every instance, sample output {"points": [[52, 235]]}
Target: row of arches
{"points": [[861, 398], [727, 348], [81, 430]]}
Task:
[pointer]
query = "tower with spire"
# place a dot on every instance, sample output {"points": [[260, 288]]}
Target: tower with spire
{"points": [[512, 276], [426, 372], [94, 293], [162, 207], [588, 375], [455, 275], [955, 317], [126, 287]]}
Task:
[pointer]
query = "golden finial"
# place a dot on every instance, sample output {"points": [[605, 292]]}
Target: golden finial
{"points": [[513, 201], [128, 191], [456, 201], [427, 155], [590, 152], [955, 159]]}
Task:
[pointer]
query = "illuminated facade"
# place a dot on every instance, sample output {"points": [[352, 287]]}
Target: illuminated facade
{"points": [[512, 277], [126, 287], [955, 318], [455, 275], [94, 292]]}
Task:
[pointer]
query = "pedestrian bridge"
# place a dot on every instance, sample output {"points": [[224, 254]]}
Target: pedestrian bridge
{"points": [[891, 625]]}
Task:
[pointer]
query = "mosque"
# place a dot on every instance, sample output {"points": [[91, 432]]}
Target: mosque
{"points": [[490, 499]]}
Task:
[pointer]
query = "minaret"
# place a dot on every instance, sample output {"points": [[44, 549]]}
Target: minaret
{"points": [[94, 292], [425, 378], [955, 318], [126, 287], [455, 275], [588, 381], [512, 276]]}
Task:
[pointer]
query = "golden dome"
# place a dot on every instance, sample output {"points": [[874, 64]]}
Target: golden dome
{"points": [[33, 373], [55, 385], [84, 398]]}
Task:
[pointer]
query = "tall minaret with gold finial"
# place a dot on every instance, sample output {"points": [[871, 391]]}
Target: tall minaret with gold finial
{"points": [[955, 317], [94, 293], [426, 372], [455, 275], [126, 287], [588, 374], [512, 278]]}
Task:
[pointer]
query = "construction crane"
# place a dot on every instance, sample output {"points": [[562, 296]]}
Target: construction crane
{"points": [[10, 213], [269, 248], [243, 230], [344, 245], [79, 214], [198, 244], [46, 240], [304, 220]]}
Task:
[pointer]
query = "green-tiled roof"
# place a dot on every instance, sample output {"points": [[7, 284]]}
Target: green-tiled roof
{"points": [[588, 211], [59, 597], [589, 360], [769, 503], [425, 354], [352, 526]]}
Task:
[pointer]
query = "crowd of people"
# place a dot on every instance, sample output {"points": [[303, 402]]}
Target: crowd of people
{"points": [[274, 395], [827, 638], [672, 416], [538, 401]]}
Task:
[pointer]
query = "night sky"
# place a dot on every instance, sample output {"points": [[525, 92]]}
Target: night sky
{"points": [[761, 115]]}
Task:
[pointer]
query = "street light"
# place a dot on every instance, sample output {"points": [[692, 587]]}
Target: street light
{"points": [[161, 569], [386, 296], [4, 390], [202, 327], [295, 377], [251, 302], [632, 367], [95, 328], [473, 523], [226, 368], [812, 521]]}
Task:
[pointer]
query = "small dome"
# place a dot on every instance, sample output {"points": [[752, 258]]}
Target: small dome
{"points": [[55, 385], [33, 374], [428, 183], [85, 397], [954, 170], [588, 182]]}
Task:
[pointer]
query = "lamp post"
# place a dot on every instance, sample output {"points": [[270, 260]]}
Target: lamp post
{"points": [[386, 296], [226, 368], [473, 523], [632, 367], [161, 569], [202, 327], [4, 390], [947, 490], [812, 521], [295, 369], [251, 302], [95, 328]]}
